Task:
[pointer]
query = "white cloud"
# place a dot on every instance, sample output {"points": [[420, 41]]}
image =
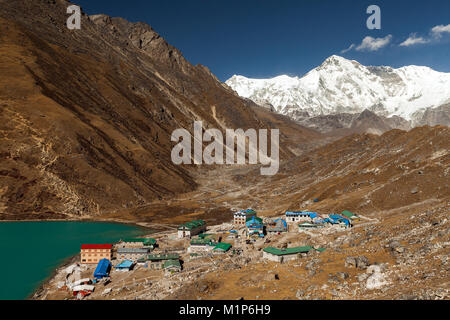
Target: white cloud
{"points": [[412, 40], [438, 30], [348, 49], [374, 44]]}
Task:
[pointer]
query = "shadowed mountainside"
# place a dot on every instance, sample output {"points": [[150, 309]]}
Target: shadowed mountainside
{"points": [[87, 115]]}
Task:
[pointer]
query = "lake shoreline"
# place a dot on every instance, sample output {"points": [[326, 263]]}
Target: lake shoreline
{"points": [[142, 225], [41, 288], [142, 229]]}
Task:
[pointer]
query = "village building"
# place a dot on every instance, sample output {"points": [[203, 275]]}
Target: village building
{"points": [[156, 261], [284, 255], [255, 227], [93, 253], [308, 225], [349, 215], [297, 216], [172, 266], [241, 217], [191, 229], [126, 265], [103, 268], [132, 253], [137, 243], [277, 226], [197, 245], [335, 219], [222, 247]]}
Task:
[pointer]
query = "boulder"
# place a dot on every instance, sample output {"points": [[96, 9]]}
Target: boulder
{"points": [[362, 262], [342, 275], [376, 281], [300, 293], [350, 262]]}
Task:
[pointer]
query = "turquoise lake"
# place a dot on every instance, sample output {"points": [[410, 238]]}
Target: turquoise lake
{"points": [[31, 251]]}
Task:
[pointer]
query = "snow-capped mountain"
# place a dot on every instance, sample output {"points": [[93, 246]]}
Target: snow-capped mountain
{"points": [[345, 86]]}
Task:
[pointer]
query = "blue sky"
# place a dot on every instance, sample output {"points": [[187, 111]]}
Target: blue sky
{"points": [[266, 38]]}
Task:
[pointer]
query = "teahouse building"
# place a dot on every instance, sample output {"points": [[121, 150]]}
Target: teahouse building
{"points": [[308, 225], [133, 254], [172, 266], [157, 260], [284, 255], [255, 227], [297, 216], [126, 265], [191, 229], [198, 245], [349, 215], [241, 217], [137, 243], [222, 247], [93, 253]]}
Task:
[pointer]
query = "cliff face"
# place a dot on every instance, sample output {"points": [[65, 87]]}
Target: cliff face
{"points": [[86, 115]]}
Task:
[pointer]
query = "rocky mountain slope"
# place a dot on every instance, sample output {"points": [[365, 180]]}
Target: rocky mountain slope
{"points": [[341, 86], [86, 115], [347, 123], [365, 173]]}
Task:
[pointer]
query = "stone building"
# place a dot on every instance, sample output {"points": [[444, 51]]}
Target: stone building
{"points": [[137, 243], [132, 254], [190, 229], [284, 255]]}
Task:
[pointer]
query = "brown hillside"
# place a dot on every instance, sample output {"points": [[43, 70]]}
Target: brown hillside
{"points": [[87, 115]]}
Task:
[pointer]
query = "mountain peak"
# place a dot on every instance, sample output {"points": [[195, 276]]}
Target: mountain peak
{"points": [[335, 58], [339, 85]]}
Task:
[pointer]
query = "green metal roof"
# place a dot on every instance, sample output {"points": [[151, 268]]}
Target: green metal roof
{"points": [[205, 235], [146, 241], [202, 241], [255, 218], [155, 257], [192, 224], [349, 214], [171, 263], [282, 252], [223, 246]]}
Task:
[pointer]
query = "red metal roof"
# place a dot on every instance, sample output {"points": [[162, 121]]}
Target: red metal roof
{"points": [[96, 246]]}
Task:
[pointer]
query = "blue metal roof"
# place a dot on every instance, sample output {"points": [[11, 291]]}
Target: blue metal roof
{"points": [[254, 222], [336, 218], [302, 213], [125, 264], [103, 268]]}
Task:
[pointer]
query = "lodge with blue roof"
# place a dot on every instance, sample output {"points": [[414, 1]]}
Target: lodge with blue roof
{"points": [[241, 217]]}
